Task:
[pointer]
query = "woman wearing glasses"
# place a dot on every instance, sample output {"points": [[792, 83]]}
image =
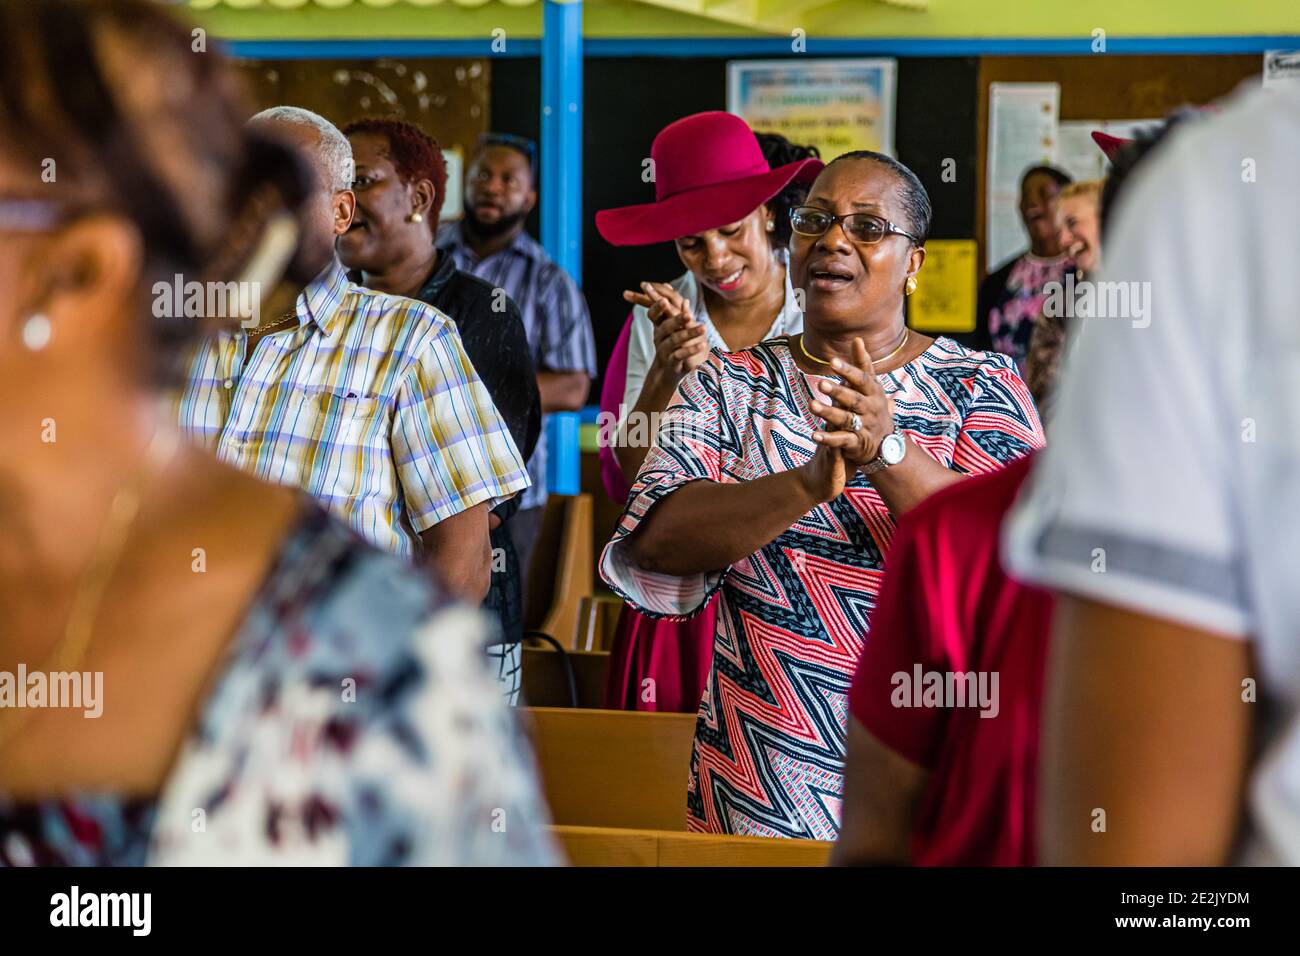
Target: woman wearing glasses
{"points": [[776, 480], [724, 196]]}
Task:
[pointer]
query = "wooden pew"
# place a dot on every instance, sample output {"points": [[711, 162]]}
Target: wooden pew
{"points": [[614, 768], [597, 622], [561, 570], [603, 846], [544, 683]]}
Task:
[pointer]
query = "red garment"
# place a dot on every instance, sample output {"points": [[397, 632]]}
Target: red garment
{"points": [[611, 397], [674, 654], [948, 607]]}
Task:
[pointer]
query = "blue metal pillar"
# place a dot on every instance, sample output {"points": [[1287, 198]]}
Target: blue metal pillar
{"points": [[561, 197], [561, 160]]}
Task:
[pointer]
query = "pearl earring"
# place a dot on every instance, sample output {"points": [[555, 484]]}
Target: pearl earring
{"points": [[415, 217], [36, 332], [771, 226]]}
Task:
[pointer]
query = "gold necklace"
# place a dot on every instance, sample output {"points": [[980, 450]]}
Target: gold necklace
{"points": [[95, 579], [906, 335], [283, 322]]}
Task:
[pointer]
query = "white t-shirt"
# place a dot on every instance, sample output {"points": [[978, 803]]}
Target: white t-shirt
{"points": [[641, 339], [1175, 453]]}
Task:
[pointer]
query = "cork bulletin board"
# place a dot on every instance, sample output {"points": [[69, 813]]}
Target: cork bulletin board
{"points": [[447, 98], [1109, 87]]}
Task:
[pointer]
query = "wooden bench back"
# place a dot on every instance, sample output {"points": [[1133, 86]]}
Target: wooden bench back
{"points": [[599, 846], [614, 768]]}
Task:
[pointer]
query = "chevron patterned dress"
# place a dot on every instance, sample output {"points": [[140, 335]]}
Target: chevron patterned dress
{"points": [[768, 758]]}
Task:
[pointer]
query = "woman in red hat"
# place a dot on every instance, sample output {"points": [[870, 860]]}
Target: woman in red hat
{"points": [[732, 236], [775, 480]]}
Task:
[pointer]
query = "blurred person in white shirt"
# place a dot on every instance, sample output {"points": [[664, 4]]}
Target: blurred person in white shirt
{"points": [[1166, 512]]}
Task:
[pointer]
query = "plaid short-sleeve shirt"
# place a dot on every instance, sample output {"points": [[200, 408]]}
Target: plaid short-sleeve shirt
{"points": [[370, 405], [554, 311]]}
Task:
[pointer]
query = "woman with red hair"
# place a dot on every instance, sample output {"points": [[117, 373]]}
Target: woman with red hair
{"points": [[401, 179]]}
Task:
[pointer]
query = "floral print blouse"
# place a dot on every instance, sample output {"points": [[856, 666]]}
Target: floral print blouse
{"points": [[1015, 296], [353, 722]]}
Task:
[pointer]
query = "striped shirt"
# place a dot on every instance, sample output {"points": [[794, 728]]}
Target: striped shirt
{"points": [[554, 312], [370, 405]]}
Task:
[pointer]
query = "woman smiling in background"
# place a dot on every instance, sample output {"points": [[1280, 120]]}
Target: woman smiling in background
{"points": [[724, 195], [401, 179]]}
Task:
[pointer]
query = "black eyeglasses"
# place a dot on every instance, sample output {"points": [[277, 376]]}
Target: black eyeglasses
{"points": [[859, 226]]}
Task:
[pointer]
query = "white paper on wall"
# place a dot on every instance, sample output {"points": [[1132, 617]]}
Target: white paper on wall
{"points": [[1281, 68], [1022, 133]]}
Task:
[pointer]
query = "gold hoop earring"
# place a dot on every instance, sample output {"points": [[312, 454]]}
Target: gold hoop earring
{"points": [[909, 286]]}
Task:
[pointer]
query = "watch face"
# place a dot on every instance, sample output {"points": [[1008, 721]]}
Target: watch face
{"points": [[892, 448]]}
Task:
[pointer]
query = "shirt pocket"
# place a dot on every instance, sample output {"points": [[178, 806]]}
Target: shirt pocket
{"points": [[346, 448]]}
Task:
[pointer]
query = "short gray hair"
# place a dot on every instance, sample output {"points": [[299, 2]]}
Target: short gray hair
{"points": [[335, 150]]}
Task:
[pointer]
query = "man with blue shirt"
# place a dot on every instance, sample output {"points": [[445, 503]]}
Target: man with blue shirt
{"points": [[490, 242]]}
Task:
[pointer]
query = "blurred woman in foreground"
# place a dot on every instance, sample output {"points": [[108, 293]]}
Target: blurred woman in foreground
{"points": [[266, 689]]}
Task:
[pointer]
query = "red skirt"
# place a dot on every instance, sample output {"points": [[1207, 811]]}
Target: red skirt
{"points": [[660, 665]]}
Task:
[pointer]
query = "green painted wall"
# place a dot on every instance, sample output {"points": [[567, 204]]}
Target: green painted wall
{"points": [[844, 18]]}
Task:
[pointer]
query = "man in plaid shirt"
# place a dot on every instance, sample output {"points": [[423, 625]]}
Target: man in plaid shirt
{"points": [[366, 401]]}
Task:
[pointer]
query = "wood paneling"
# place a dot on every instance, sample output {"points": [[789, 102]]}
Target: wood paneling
{"points": [[614, 768], [545, 684], [602, 846]]}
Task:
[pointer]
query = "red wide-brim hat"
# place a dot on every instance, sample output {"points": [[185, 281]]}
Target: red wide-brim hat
{"points": [[1110, 145], [709, 171]]}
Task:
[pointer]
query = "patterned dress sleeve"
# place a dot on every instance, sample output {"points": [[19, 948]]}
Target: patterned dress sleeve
{"points": [[687, 447], [1001, 423], [444, 777], [357, 725]]}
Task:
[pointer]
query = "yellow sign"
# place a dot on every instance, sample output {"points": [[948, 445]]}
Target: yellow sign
{"points": [[944, 300]]}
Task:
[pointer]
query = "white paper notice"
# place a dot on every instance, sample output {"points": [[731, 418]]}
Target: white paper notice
{"points": [[1022, 133], [1080, 156], [1281, 67]]}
